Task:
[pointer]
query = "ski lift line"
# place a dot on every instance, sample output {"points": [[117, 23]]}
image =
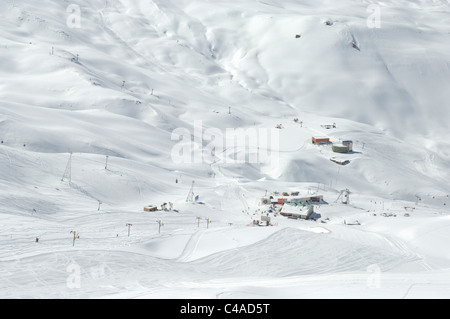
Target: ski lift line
{"points": [[31, 161], [121, 173], [9, 158], [137, 54], [122, 169], [190, 196], [68, 171], [61, 233]]}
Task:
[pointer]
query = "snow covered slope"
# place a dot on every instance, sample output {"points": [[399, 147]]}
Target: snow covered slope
{"points": [[119, 78]]}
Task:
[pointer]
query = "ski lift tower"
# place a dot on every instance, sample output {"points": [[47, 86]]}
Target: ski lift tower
{"points": [[344, 195], [418, 199], [190, 197], [68, 172]]}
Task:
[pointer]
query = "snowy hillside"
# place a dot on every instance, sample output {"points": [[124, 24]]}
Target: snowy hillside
{"points": [[94, 95]]}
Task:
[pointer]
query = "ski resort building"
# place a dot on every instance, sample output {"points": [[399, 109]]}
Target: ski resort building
{"points": [[297, 211], [349, 144], [150, 208], [292, 204], [306, 200], [263, 221], [287, 198], [320, 140], [340, 148]]}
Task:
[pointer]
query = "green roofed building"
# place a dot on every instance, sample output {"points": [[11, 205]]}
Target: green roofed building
{"points": [[340, 148]]}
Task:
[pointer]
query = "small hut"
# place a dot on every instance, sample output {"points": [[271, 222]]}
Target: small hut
{"points": [[320, 140], [150, 208]]}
